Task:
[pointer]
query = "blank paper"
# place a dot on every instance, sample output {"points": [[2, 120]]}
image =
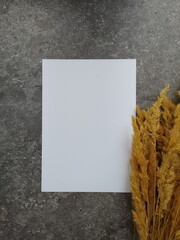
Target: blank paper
{"points": [[86, 124]]}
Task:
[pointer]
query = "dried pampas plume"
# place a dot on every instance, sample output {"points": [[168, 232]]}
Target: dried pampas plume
{"points": [[155, 170]]}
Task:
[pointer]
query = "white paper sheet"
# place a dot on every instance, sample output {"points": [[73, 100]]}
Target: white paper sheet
{"points": [[86, 125]]}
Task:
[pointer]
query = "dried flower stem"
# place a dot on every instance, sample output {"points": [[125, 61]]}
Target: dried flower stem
{"points": [[155, 174]]}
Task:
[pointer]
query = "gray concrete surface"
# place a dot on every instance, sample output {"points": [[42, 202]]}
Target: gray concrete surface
{"points": [[34, 29]]}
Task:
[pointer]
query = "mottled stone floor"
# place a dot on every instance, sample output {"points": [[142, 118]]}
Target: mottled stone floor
{"points": [[34, 29]]}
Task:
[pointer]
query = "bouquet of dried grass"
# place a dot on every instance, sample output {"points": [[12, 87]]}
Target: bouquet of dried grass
{"points": [[155, 170]]}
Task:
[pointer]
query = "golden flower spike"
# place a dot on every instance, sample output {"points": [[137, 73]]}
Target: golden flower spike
{"points": [[155, 170]]}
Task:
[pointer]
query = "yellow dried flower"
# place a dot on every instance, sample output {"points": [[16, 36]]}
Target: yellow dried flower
{"points": [[155, 170]]}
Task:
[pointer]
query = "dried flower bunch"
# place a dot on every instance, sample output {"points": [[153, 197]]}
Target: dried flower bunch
{"points": [[155, 170]]}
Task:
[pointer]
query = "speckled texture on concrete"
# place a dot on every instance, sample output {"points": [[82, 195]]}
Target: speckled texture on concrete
{"points": [[34, 29]]}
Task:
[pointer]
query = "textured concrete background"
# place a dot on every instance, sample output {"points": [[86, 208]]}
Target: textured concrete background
{"points": [[35, 29]]}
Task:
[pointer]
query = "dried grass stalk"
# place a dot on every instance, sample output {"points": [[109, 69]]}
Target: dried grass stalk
{"points": [[155, 170]]}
